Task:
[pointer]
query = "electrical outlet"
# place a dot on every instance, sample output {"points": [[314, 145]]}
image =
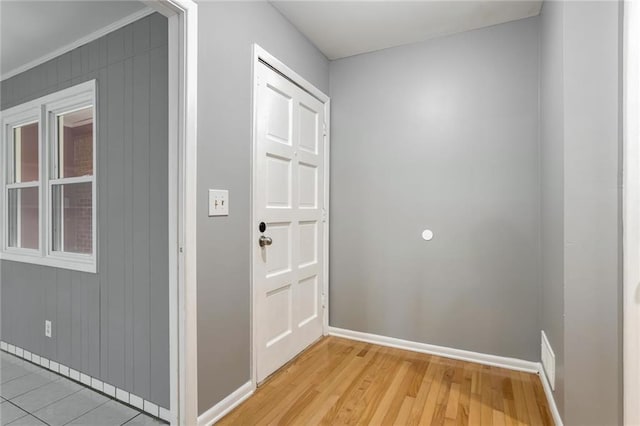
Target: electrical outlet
{"points": [[47, 328]]}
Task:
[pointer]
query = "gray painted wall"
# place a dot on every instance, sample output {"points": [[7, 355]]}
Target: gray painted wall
{"points": [[581, 214], [552, 185], [226, 33], [113, 325], [441, 135], [592, 216]]}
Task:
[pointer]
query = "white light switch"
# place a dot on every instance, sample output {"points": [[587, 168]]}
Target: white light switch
{"points": [[218, 202]]}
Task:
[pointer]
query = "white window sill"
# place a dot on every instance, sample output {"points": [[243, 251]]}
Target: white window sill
{"points": [[54, 262]]}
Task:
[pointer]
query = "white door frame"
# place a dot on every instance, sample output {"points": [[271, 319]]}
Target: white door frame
{"points": [[259, 54], [183, 91], [631, 212]]}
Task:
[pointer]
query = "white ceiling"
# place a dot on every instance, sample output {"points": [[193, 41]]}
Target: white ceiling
{"points": [[345, 28], [30, 30]]}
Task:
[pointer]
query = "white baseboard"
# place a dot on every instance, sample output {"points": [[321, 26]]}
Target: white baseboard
{"points": [[222, 408], [550, 399], [462, 355]]}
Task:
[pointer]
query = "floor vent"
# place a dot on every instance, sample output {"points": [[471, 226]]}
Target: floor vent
{"points": [[548, 361]]}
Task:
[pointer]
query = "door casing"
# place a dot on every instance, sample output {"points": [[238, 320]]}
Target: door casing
{"points": [[182, 18], [259, 54], [631, 214]]}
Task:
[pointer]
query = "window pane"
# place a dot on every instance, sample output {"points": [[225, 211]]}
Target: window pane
{"points": [[75, 143], [72, 218], [23, 218], [25, 154]]}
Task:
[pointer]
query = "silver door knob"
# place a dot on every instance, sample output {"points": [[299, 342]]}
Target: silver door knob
{"points": [[265, 241]]}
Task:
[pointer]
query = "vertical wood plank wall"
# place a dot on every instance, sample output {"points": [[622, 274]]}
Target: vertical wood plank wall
{"points": [[113, 325]]}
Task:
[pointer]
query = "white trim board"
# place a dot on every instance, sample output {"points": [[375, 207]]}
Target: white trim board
{"points": [[631, 213], [459, 354], [550, 399], [183, 114], [81, 41], [224, 407], [97, 385]]}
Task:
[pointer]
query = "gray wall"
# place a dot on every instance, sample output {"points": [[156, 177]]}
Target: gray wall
{"points": [[552, 185], [113, 325], [581, 214], [226, 33], [592, 295], [441, 135]]}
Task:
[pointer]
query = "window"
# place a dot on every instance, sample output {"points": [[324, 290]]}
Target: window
{"points": [[49, 188]]}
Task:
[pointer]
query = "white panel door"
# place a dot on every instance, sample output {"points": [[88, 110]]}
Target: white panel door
{"points": [[288, 198]]}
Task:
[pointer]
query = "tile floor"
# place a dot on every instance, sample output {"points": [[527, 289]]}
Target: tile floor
{"points": [[31, 395]]}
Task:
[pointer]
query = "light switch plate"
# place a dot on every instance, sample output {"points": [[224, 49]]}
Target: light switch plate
{"points": [[218, 202]]}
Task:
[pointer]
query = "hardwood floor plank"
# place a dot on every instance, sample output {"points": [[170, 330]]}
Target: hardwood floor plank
{"points": [[445, 389], [432, 398], [452, 405], [405, 410], [339, 381], [381, 379], [475, 409], [486, 409], [519, 398], [423, 392], [465, 397], [345, 387], [387, 399], [419, 370], [541, 400], [322, 411], [402, 392], [530, 398], [350, 397]]}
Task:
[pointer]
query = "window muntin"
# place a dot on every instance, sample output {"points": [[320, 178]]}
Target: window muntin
{"points": [[48, 203]]}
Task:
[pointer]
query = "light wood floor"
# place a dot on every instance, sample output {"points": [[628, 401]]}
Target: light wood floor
{"points": [[339, 381]]}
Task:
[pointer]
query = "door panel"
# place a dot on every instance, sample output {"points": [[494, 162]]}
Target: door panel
{"points": [[288, 198], [278, 182], [308, 186]]}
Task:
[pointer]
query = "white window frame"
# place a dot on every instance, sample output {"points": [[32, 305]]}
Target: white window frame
{"points": [[45, 110]]}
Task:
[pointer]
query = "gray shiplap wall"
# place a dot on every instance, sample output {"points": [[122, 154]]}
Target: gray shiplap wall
{"points": [[113, 325]]}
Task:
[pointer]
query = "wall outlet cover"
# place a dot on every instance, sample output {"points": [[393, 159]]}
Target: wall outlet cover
{"points": [[47, 328]]}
